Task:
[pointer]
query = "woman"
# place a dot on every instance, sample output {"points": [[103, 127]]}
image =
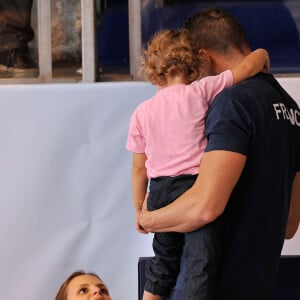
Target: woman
{"points": [[84, 286]]}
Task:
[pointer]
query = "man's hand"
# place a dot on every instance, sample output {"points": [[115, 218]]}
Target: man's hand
{"points": [[143, 212], [138, 227]]}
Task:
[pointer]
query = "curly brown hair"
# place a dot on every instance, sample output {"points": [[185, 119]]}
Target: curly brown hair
{"points": [[170, 53]]}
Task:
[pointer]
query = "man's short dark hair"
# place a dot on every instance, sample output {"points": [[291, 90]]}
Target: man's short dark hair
{"points": [[217, 30]]}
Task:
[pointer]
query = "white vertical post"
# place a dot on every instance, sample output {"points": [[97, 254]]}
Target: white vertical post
{"points": [[135, 36], [44, 39], [89, 60]]}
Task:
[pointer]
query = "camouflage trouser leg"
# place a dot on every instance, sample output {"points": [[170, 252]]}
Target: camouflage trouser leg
{"points": [[15, 27]]}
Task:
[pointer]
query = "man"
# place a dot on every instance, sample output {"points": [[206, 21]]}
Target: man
{"points": [[15, 33], [249, 173]]}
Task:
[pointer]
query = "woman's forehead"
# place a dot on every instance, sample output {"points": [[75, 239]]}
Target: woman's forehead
{"points": [[85, 279]]}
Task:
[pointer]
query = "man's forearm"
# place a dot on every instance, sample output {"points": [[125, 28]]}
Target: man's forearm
{"points": [[294, 214], [184, 215], [204, 201]]}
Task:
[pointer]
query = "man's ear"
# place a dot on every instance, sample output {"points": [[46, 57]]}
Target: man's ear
{"points": [[202, 52], [206, 63]]}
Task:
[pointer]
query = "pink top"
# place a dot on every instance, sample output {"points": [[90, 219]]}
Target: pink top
{"points": [[169, 128]]}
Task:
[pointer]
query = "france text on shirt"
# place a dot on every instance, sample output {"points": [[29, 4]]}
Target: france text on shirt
{"points": [[283, 113]]}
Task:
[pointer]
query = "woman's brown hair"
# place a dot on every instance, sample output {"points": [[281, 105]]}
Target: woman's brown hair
{"points": [[62, 292]]}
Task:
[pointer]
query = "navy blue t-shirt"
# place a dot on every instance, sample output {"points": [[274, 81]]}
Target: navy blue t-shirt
{"points": [[260, 120]]}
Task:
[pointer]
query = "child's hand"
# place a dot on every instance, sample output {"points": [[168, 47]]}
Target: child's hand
{"points": [[266, 67], [265, 53]]}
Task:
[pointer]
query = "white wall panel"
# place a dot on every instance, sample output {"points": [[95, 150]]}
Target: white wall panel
{"points": [[292, 85], [65, 199]]}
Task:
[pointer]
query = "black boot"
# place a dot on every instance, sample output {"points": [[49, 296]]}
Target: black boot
{"points": [[18, 63]]}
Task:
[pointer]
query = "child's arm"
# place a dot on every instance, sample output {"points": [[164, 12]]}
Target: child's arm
{"points": [[253, 63], [139, 186]]}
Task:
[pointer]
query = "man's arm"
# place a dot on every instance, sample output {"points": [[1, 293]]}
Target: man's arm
{"points": [[294, 214], [204, 201]]}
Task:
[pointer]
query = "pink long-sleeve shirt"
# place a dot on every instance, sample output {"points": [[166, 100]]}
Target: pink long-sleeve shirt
{"points": [[169, 127]]}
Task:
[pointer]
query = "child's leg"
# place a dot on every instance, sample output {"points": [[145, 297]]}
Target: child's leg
{"points": [[202, 255], [161, 271]]}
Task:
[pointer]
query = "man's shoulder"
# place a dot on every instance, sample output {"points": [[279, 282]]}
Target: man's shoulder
{"points": [[254, 88]]}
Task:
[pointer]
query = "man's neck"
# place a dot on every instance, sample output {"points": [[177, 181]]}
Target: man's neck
{"points": [[221, 63]]}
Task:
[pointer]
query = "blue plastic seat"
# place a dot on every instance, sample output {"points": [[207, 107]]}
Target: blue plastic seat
{"points": [[287, 285]]}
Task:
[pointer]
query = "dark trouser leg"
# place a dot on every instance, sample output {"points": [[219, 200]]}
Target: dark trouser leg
{"points": [[162, 270], [15, 28], [202, 254]]}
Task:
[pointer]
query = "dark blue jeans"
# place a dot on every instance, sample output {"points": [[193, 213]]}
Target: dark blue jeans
{"points": [[15, 28], [200, 248]]}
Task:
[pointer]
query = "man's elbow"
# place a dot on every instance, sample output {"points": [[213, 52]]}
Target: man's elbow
{"points": [[201, 217], [291, 231], [289, 234]]}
